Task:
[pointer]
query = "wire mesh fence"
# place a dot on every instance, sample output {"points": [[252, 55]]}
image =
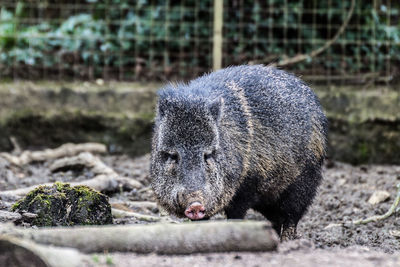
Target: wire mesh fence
{"points": [[170, 39], [265, 31]]}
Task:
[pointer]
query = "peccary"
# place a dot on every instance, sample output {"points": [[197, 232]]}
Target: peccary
{"points": [[239, 138]]}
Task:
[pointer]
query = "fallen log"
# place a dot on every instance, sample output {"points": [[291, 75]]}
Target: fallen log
{"points": [[184, 238], [66, 150], [18, 252]]}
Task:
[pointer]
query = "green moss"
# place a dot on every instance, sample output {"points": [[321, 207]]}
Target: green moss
{"points": [[39, 195], [86, 193], [50, 203], [61, 187], [16, 205]]}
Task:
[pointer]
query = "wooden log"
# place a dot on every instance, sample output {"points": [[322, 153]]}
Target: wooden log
{"points": [[18, 252], [66, 150], [184, 238]]}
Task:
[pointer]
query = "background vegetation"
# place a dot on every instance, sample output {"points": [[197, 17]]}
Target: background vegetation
{"points": [[164, 39]]}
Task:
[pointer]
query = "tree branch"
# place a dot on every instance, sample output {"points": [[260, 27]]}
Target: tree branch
{"points": [[318, 51]]}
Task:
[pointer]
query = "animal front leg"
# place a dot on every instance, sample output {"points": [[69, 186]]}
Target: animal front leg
{"points": [[235, 212], [289, 231]]}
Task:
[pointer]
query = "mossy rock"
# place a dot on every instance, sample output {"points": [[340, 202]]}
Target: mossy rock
{"points": [[63, 205]]}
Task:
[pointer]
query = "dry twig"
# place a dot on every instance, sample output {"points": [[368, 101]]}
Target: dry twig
{"points": [[389, 213], [117, 213], [135, 205], [17, 148], [321, 49], [142, 205]]}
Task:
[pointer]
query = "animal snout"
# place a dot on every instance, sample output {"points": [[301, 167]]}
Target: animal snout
{"points": [[195, 211]]}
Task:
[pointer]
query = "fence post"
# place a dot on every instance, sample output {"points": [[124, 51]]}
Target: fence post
{"points": [[217, 37]]}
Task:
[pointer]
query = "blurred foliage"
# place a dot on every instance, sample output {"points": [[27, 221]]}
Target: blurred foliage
{"points": [[371, 40], [116, 33], [88, 36]]}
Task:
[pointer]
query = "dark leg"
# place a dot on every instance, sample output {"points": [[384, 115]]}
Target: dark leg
{"points": [[273, 214], [233, 212], [286, 212], [289, 231], [243, 200]]}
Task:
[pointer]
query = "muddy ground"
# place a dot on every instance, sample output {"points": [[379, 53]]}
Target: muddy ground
{"points": [[343, 196]]}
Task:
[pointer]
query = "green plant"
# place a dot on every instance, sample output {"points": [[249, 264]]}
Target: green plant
{"points": [[168, 35]]}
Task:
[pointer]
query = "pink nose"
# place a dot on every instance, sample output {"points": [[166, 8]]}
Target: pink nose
{"points": [[195, 211]]}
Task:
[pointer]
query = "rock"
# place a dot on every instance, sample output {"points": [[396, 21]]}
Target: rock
{"points": [[341, 182], [395, 233], [378, 197], [62, 204], [100, 82]]}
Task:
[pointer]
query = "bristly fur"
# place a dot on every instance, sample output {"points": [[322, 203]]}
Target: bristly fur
{"points": [[238, 138]]}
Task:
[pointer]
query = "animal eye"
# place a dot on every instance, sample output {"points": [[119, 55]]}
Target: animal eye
{"points": [[209, 155], [170, 156]]}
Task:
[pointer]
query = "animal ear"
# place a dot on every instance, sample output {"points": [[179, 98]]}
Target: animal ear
{"points": [[162, 106], [216, 108]]}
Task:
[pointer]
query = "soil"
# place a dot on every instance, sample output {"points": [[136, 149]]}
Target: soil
{"points": [[343, 197]]}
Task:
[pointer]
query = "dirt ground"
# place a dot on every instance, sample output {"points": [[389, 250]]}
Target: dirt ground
{"points": [[343, 197]]}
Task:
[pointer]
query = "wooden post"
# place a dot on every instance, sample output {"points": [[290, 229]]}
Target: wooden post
{"points": [[217, 38]]}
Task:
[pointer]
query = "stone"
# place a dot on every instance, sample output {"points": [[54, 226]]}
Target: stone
{"points": [[378, 197]]}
